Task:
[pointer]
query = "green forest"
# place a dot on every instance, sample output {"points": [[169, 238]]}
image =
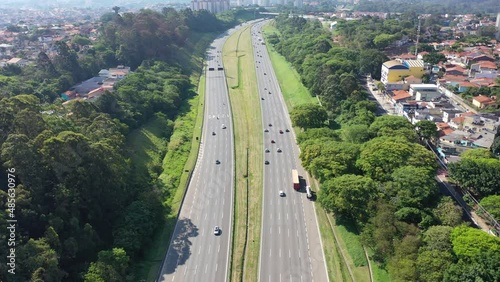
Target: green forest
{"points": [[85, 209], [374, 171]]}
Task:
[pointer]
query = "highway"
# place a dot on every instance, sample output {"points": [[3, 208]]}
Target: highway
{"points": [[291, 248], [195, 253]]}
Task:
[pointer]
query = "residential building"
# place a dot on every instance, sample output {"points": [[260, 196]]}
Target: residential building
{"points": [[482, 101], [424, 92], [213, 6], [17, 61]]}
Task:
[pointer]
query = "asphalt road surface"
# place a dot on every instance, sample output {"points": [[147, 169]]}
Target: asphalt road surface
{"points": [[291, 248], [195, 253]]}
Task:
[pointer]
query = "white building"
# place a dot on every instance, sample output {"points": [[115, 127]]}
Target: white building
{"points": [[213, 6]]}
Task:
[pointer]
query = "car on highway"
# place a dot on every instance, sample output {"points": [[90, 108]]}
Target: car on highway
{"points": [[264, 73], [272, 141], [286, 130], [267, 150], [282, 193], [213, 132], [216, 230], [217, 162], [223, 126], [269, 92], [266, 162], [262, 98], [266, 130], [270, 124], [281, 131], [279, 150]]}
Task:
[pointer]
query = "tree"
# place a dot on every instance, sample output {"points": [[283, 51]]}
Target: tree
{"points": [[480, 175], [427, 129], [476, 153], [382, 155], [37, 259], [448, 212], [431, 265], [471, 243], [327, 159], [438, 238], [111, 266], [348, 195], [492, 205], [412, 187], [357, 133], [393, 126], [116, 9], [383, 40], [308, 116], [434, 58], [484, 268]]}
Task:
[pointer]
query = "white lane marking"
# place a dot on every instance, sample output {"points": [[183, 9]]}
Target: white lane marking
{"points": [[216, 266], [206, 268], [289, 253], [279, 229], [218, 249], [209, 248], [195, 269], [280, 254], [269, 252]]}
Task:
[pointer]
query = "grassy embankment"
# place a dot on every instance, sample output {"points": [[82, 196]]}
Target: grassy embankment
{"points": [[241, 78], [344, 251], [178, 162]]}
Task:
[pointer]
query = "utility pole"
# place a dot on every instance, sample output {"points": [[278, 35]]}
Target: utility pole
{"points": [[418, 36]]}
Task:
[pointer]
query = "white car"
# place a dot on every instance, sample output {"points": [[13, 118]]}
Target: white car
{"points": [[282, 193], [223, 126], [279, 150], [216, 230]]}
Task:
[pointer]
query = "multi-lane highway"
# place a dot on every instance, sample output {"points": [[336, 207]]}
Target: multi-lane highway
{"points": [[195, 252], [291, 247]]}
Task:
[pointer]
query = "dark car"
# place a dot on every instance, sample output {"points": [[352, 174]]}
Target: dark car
{"points": [[281, 131], [272, 141], [270, 124], [262, 98], [217, 162], [287, 130], [279, 150], [266, 162], [213, 132], [266, 130]]}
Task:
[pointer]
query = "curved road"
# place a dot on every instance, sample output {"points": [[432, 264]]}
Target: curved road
{"points": [[195, 253], [291, 248]]}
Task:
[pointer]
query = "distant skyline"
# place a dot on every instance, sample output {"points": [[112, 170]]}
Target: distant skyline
{"points": [[36, 4]]}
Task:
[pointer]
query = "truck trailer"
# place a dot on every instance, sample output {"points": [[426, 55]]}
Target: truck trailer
{"points": [[295, 180]]}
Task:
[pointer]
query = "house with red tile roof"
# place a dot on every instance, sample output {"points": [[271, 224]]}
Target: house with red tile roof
{"points": [[399, 96], [457, 122], [482, 101]]}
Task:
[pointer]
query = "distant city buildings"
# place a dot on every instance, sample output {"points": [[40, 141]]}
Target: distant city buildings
{"points": [[213, 6]]}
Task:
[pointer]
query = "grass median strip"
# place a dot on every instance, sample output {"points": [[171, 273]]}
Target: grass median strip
{"points": [[242, 83]]}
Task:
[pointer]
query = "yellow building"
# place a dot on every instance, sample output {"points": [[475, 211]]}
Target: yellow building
{"points": [[394, 71]]}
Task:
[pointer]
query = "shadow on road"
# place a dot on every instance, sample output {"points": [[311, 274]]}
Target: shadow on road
{"points": [[181, 245]]}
